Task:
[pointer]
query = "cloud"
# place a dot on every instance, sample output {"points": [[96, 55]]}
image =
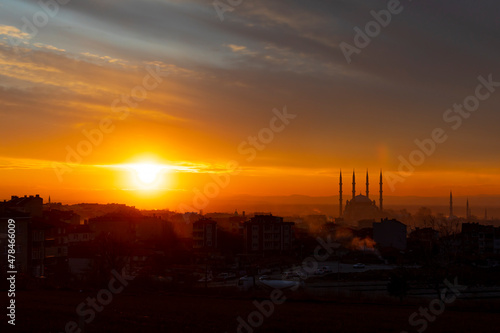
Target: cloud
{"points": [[236, 48], [9, 163], [13, 32], [280, 52], [241, 50], [98, 59], [48, 47]]}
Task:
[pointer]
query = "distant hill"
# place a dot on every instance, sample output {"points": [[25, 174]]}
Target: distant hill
{"points": [[303, 204]]}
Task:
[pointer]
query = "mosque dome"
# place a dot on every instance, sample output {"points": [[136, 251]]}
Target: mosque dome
{"points": [[361, 199]]}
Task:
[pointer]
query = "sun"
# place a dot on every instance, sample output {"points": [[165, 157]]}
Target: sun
{"points": [[148, 175]]}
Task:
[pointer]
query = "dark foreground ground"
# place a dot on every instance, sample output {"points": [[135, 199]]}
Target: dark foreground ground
{"points": [[49, 311]]}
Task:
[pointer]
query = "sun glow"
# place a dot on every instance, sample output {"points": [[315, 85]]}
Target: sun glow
{"points": [[149, 175]]}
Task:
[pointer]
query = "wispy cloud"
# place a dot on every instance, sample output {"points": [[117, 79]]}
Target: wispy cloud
{"points": [[10, 31]]}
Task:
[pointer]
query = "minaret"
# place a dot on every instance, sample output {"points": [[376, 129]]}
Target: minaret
{"points": [[467, 209], [353, 184], [485, 214], [451, 204], [381, 200], [340, 194], [367, 185]]}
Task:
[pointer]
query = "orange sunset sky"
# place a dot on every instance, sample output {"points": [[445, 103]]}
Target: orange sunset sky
{"points": [[145, 102]]}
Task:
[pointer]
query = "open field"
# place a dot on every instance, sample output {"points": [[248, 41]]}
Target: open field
{"points": [[215, 311]]}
